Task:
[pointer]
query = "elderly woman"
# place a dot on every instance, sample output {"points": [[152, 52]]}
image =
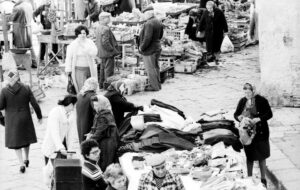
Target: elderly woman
{"points": [[61, 129], [104, 131], [84, 109], [80, 58], [214, 23], [118, 102], [19, 128], [257, 109], [115, 178]]}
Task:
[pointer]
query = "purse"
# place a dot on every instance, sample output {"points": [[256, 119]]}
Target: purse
{"points": [[71, 88], [200, 34]]}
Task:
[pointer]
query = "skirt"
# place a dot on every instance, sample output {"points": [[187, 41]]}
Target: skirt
{"points": [[81, 74], [258, 150]]}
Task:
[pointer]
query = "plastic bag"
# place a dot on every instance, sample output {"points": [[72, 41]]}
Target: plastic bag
{"points": [[8, 62], [48, 173], [247, 131], [227, 45]]}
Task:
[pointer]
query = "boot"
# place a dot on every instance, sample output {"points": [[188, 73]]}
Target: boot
{"points": [[264, 181]]}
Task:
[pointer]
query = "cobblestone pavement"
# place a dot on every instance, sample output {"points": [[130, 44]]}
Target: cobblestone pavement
{"points": [[208, 89]]}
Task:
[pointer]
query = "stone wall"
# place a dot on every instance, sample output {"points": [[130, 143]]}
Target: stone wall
{"points": [[279, 51]]}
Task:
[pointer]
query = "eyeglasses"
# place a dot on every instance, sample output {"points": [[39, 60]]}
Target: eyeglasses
{"points": [[95, 152]]}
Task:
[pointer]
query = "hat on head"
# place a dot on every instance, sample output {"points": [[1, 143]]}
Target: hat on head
{"points": [[104, 14], [149, 8], [155, 160]]}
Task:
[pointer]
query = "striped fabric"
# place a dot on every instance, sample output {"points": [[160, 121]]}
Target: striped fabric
{"points": [[91, 171]]}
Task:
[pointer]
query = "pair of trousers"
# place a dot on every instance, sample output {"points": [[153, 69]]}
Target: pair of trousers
{"points": [[81, 74], [43, 50], [107, 68], [152, 69]]}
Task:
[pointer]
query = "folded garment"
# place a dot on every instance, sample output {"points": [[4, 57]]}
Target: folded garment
{"points": [[227, 139], [167, 106], [216, 132], [217, 124]]}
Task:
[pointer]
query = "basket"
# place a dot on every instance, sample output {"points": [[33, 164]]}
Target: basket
{"points": [[176, 34]]}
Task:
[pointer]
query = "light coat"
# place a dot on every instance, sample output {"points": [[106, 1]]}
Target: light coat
{"points": [[58, 128], [71, 58]]}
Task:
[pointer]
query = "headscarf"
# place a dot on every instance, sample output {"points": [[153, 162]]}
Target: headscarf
{"points": [[118, 86], [103, 102], [12, 76], [252, 87], [91, 84]]}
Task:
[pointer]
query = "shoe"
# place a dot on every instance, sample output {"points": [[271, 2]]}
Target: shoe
{"points": [[264, 181], [33, 66], [26, 162], [22, 169]]}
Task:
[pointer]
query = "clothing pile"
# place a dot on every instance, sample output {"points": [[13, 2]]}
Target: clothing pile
{"points": [[164, 126]]}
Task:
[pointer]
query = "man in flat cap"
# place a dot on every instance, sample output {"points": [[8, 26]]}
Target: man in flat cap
{"points": [[159, 177], [107, 48], [150, 47]]}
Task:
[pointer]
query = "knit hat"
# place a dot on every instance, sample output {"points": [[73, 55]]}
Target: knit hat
{"points": [[155, 160], [149, 8]]}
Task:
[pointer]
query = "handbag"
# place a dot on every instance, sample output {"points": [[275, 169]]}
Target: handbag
{"points": [[200, 34], [71, 88]]}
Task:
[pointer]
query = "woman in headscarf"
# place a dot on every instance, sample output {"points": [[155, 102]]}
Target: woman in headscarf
{"points": [[19, 128], [214, 23], [256, 109], [104, 131], [84, 109], [118, 102]]}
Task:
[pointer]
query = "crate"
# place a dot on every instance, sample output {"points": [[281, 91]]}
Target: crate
{"points": [[187, 66], [38, 92], [176, 34], [167, 73]]}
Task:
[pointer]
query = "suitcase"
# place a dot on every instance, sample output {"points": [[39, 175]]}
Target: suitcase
{"points": [[67, 174]]}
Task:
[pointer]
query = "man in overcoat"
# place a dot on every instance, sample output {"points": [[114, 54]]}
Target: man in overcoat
{"points": [[150, 47], [107, 48]]}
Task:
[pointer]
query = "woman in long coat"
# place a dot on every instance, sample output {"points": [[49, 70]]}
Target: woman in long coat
{"points": [[104, 131], [80, 58], [84, 109], [19, 129], [213, 22], [118, 102], [256, 108]]}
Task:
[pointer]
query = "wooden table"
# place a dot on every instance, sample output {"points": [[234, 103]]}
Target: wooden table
{"points": [[49, 40]]}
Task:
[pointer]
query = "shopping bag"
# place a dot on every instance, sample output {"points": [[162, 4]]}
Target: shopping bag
{"points": [[247, 131], [71, 87], [48, 173], [227, 45], [200, 34], [8, 62]]}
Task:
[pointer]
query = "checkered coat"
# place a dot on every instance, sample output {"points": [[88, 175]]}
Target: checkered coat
{"points": [[171, 182]]}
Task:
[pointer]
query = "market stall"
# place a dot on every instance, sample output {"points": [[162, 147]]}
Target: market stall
{"points": [[205, 154]]}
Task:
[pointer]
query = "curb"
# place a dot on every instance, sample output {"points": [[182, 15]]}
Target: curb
{"points": [[277, 183]]}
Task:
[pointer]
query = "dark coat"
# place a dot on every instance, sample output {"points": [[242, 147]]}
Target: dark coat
{"points": [[259, 149], [119, 106], [93, 11], [106, 42], [264, 112], [150, 36], [44, 20], [19, 129], [21, 27], [105, 132], [85, 114], [214, 29]]}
